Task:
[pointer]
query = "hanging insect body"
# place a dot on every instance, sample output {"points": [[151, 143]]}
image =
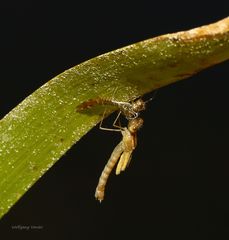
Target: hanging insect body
{"points": [[122, 153]]}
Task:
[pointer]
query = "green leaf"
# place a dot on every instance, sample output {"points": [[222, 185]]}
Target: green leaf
{"points": [[35, 134]]}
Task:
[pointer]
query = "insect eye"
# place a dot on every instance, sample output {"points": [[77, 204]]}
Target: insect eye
{"points": [[139, 105]]}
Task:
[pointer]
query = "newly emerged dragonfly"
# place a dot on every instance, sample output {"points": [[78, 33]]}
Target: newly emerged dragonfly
{"points": [[121, 153]]}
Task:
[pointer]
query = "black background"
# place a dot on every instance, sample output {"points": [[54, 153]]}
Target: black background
{"points": [[177, 183]]}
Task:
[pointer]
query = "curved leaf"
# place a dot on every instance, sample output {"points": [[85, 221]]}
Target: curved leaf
{"points": [[35, 134]]}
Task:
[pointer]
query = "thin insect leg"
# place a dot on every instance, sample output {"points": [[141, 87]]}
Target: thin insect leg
{"points": [[100, 189], [130, 114], [116, 119], [119, 123], [101, 122], [107, 129]]}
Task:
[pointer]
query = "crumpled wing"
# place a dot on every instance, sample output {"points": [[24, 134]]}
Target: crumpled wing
{"points": [[123, 162]]}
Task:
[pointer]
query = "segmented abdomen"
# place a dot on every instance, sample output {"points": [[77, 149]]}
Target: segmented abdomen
{"points": [[93, 102], [99, 193]]}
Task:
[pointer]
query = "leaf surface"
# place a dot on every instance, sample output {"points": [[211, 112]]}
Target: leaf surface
{"points": [[36, 133]]}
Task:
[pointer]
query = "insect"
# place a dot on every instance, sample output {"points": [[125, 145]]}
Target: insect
{"points": [[129, 109], [121, 153]]}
